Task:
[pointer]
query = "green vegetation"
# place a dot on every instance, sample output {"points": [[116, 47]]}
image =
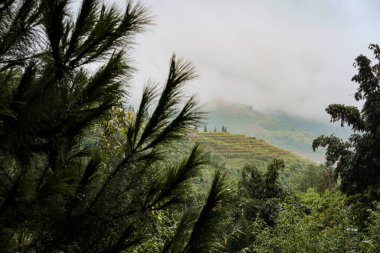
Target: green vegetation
{"points": [[79, 174], [233, 151], [76, 173], [313, 223], [357, 159], [281, 130]]}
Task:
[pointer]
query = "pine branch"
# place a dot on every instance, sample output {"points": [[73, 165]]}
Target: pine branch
{"points": [[171, 187], [84, 23], [206, 226], [180, 72], [54, 15], [110, 32], [137, 124]]}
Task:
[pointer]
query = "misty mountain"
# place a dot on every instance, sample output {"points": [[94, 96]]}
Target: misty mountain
{"points": [[279, 129]]}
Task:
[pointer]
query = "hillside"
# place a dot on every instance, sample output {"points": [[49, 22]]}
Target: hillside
{"points": [[287, 132], [233, 151]]}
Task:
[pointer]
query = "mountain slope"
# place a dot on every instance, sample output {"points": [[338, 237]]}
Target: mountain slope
{"points": [[232, 151], [287, 132]]}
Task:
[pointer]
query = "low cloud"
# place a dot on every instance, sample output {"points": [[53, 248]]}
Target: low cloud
{"points": [[292, 56]]}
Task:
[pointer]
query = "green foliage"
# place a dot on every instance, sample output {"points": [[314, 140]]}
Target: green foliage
{"points": [[313, 223], [356, 160], [77, 173], [207, 225], [374, 230], [317, 177], [262, 192], [232, 151], [287, 132], [259, 197]]}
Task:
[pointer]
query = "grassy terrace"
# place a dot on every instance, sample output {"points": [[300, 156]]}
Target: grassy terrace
{"points": [[240, 146], [232, 151]]}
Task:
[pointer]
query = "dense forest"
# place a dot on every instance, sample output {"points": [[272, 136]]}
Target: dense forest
{"points": [[81, 173]]}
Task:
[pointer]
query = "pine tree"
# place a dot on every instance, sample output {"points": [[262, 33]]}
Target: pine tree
{"points": [[70, 180]]}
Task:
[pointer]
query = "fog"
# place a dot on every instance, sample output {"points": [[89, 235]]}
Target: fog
{"points": [[286, 55]]}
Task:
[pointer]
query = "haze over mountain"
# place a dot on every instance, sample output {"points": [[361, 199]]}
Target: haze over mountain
{"points": [[289, 55], [279, 129]]}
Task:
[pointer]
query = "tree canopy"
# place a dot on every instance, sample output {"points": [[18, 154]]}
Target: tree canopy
{"points": [[80, 173], [77, 173], [357, 160]]}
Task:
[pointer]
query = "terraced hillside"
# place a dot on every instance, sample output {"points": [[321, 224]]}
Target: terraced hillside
{"points": [[279, 129], [233, 151]]}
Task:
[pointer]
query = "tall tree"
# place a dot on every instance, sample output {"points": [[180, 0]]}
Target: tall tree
{"points": [[358, 159], [73, 177], [259, 197]]}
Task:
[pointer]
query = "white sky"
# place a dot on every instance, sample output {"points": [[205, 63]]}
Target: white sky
{"points": [[275, 55]]}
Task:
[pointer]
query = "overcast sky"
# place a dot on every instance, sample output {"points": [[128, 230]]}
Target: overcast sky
{"points": [[275, 55]]}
